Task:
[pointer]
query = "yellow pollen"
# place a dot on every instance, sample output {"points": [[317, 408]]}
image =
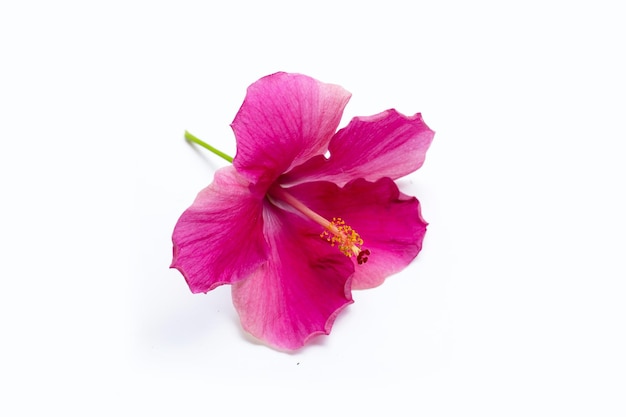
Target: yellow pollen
{"points": [[346, 238]]}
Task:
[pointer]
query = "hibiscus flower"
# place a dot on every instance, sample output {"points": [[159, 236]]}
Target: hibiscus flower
{"points": [[304, 214]]}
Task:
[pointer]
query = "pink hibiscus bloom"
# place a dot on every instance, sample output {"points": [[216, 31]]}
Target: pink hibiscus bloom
{"points": [[292, 230]]}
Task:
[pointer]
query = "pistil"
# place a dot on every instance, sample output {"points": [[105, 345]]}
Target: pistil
{"points": [[336, 232]]}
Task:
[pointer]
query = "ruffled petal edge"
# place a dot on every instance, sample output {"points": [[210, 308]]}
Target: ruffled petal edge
{"points": [[219, 239], [388, 144], [302, 288]]}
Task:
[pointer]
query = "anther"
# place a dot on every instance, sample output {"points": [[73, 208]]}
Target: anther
{"points": [[346, 238]]}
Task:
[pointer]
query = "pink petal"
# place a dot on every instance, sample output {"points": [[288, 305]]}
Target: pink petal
{"points": [[300, 291], [388, 144], [219, 239], [389, 223], [284, 120]]}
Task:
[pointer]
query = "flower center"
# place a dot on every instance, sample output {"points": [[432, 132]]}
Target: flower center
{"points": [[337, 232]]}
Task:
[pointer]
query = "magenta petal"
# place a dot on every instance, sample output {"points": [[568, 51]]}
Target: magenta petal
{"points": [[389, 223], [219, 239], [284, 120], [388, 144], [300, 290]]}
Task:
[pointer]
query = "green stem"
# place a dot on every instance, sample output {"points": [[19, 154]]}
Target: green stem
{"points": [[192, 138]]}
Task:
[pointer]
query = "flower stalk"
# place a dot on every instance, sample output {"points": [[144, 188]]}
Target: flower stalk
{"points": [[192, 138]]}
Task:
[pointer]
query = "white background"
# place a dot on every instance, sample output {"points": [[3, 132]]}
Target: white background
{"points": [[514, 307]]}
